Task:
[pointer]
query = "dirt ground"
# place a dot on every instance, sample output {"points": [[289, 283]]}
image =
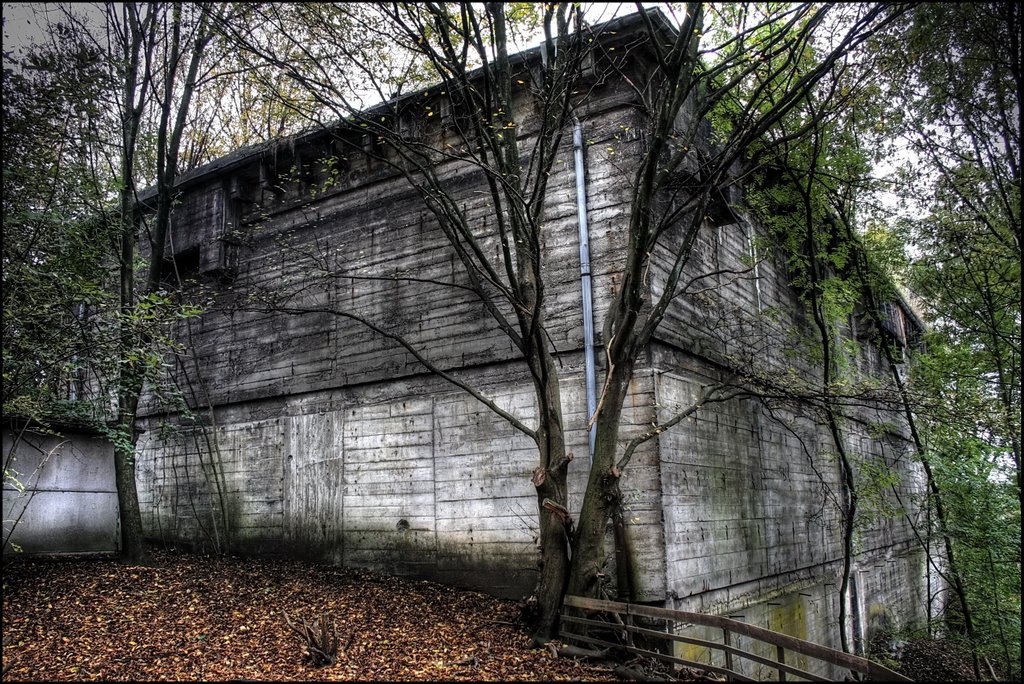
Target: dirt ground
{"points": [[202, 618], [198, 618]]}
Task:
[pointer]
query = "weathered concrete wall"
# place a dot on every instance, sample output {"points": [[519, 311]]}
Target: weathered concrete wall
{"points": [[368, 247], [69, 501], [753, 492], [752, 510], [411, 476], [805, 604], [807, 611]]}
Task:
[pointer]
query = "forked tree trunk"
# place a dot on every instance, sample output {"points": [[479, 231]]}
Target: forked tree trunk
{"points": [[602, 495], [132, 547], [131, 381]]}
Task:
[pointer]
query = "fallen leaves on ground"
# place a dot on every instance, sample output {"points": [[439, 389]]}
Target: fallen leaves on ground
{"points": [[935, 660], [200, 618]]}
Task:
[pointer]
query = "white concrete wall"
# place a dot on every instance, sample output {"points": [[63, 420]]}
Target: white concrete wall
{"points": [[69, 501]]}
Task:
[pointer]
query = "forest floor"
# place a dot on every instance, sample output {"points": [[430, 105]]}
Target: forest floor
{"points": [[200, 618], [197, 618]]}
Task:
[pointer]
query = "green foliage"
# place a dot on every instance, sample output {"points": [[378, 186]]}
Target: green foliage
{"points": [[64, 326], [984, 511], [55, 249], [762, 51], [875, 481], [976, 474], [953, 96]]}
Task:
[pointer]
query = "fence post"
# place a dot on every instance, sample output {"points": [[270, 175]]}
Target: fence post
{"points": [[781, 653], [628, 627], [728, 654]]}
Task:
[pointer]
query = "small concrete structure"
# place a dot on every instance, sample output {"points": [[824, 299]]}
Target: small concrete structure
{"points": [[66, 503]]}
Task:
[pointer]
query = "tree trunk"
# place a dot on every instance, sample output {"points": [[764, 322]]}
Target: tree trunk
{"points": [[935, 491], [602, 495], [554, 551], [133, 549], [937, 497], [131, 381], [549, 479]]}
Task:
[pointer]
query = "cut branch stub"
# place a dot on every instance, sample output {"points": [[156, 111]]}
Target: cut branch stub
{"points": [[320, 637], [559, 510]]}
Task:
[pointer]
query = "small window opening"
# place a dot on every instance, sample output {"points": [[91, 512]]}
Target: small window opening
{"points": [[180, 268]]}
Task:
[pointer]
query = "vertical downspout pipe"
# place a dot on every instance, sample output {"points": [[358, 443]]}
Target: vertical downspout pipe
{"points": [[588, 305]]}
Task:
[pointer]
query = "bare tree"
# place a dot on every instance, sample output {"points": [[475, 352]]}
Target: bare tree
{"points": [[153, 53], [748, 81]]}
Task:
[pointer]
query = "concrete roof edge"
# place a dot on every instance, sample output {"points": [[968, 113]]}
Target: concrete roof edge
{"points": [[241, 156]]}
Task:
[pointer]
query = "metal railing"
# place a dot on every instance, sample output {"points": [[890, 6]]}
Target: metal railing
{"points": [[579, 624]]}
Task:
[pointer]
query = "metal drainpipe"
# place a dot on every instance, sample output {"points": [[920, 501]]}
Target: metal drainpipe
{"points": [[588, 305]]}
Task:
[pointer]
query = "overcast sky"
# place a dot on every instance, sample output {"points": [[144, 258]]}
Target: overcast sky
{"points": [[23, 22]]}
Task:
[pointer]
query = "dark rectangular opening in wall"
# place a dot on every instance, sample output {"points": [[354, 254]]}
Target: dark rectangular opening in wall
{"points": [[181, 267], [892, 321]]}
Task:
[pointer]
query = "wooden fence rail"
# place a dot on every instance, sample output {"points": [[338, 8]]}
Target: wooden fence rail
{"points": [[579, 623]]}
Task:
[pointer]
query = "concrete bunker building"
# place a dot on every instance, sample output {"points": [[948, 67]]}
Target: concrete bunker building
{"points": [[315, 435]]}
